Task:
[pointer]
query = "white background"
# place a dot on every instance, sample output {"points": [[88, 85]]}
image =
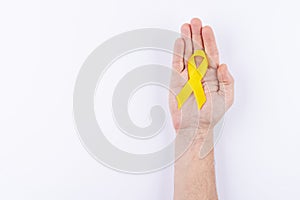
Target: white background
{"points": [[43, 45]]}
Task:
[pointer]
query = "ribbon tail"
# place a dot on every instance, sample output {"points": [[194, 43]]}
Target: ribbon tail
{"points": [[200, 96], [184, 94]]}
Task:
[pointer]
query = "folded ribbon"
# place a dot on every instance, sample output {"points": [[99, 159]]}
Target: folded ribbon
{"points": [[194, 83]]}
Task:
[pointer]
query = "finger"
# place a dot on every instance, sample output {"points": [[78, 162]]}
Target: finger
{"points": [[178, 53], [196, 26], [210, 46], [186, 35], [179, 75], [226, 84]]}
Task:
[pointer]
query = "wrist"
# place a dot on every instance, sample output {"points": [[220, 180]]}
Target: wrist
{"points": [[204, 133], [205, 127]]}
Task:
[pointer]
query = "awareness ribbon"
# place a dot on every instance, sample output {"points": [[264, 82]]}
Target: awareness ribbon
{"points": [[194, 83]]}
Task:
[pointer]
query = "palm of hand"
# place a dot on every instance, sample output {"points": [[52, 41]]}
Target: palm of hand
{"points": [[217, 82]]}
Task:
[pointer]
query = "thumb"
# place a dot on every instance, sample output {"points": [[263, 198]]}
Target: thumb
{"points": [[226, 84]]}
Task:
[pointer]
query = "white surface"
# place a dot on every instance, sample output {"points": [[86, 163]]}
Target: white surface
{"points": [[43, 45]]}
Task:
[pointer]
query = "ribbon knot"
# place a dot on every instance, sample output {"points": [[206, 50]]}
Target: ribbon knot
{"points": [[194, 84]]}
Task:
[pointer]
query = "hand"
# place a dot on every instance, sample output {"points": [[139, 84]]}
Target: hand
{"points": [[217, 82]]}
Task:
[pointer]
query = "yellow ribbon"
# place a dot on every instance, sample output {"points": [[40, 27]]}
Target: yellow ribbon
{"points": [[194, 83]]}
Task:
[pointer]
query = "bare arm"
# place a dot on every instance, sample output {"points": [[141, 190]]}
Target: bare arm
{"points": [[195, 177], [195, 173]]}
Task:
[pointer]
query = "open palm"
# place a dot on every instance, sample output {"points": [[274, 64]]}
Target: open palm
{"points": [[217, 82]]}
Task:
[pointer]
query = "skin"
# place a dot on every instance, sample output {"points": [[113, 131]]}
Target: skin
{"points": [[194, 172]]}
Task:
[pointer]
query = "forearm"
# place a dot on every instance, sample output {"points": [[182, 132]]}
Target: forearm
{"points": [[195, 177]]}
